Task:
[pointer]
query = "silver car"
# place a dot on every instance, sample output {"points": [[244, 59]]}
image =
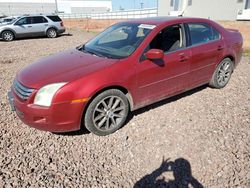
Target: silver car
{"points": [[7, 20], [30, 26]]}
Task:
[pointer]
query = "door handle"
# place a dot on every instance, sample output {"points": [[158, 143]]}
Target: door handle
{"points": [[182, 57], [220, 48], [46, 24], [29, 26]]}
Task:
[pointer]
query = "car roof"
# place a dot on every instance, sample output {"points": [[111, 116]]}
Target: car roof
{"points": [[30, 15], [163, 20]]}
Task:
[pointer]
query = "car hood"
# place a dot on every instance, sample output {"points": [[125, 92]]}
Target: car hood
{"points": [[4, 24], [66, 66]]}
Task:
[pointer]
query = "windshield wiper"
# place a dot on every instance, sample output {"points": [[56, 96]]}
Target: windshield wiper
{"points": [[91, 52]]}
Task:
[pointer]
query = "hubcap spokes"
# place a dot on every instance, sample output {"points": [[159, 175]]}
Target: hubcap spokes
{"points": [[52, 33], [8, 36], [224, 73], [109, 113]]}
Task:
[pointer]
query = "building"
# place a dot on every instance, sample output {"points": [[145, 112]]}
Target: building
{"points": [[18, 7], [84, 6], [213, 9]]}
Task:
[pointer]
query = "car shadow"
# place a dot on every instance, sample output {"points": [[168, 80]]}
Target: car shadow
{"points": [[181, 176], [83, 130], [40, 37]]}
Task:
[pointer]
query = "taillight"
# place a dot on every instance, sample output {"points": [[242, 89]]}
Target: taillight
{"points": [[61, 24]]}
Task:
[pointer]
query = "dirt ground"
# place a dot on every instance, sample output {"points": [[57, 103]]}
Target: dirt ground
{"points": [[199, 138]]}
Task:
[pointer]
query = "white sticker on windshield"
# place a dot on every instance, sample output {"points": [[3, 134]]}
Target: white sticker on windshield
{"points": [[147, 26]]}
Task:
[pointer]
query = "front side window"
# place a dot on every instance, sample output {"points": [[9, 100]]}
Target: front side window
{"points": [[169, 39], [119, 41], [202, 33], [23, 21]]}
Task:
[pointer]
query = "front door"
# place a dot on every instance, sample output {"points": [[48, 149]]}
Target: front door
{"points": [[157, 79], [23, 27]]}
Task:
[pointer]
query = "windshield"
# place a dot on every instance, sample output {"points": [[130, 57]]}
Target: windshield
{"points": [[119, 41], [13, 20], [8, 20]]}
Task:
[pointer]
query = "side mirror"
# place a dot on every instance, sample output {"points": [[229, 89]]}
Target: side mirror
{"points": [[154, 54]]}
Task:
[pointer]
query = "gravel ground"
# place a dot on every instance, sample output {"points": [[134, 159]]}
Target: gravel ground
{"points": [[200, 138]]}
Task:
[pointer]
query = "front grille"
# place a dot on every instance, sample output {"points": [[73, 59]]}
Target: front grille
{"points": [[22, 91]]}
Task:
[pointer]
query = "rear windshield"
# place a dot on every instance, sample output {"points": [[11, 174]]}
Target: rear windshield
{"points": [[55, 18]]}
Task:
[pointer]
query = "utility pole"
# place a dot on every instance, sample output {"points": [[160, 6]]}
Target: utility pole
{"points": [[142, 5], [56, 6], [9, 10]]}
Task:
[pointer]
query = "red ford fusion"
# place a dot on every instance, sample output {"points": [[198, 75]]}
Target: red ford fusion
{"points": [[128, 66]]}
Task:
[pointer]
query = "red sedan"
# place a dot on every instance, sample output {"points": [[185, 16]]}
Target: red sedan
{"points": [[128, 66]]}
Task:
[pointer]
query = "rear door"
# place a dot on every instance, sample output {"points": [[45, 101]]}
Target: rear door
{"points": [[207, 47], [39, 25], [158, 79]]}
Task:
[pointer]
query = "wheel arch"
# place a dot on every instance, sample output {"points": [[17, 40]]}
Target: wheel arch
{"points": [[230, 56], [118, 87], [11, 30], [51, 27]]}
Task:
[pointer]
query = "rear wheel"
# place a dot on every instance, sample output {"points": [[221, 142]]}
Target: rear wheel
{"points": [[51, 33], [8, 36], [107, 112], [222, 74]]}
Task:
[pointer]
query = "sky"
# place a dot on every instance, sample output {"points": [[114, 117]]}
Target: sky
{"points": [[131, 4]]}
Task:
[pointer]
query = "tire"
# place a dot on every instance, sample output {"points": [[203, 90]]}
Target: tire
{"points": [[222, 74], [8, 36], [107, 112], [51, 33]]}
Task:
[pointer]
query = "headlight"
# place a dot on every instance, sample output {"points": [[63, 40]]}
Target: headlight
{"points": [[45, 95]]}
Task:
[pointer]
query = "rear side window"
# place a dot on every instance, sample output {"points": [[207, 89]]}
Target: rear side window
{"points": [[55, 18], [216, 34], [202, 33], [38, 19]]}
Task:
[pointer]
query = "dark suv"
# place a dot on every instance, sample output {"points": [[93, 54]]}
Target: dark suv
{"points": [[32, 25]]}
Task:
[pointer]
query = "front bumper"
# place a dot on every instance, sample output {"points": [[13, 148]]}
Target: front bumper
{"points": [[61, 117]]}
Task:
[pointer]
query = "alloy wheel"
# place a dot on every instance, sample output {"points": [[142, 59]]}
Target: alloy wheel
{"points": [[52, 33], [109, 113], [224, 73], [7, 36]]}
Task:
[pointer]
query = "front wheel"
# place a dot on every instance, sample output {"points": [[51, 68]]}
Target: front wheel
{"points": [[8, 36], [222, 74], [107, 112]]}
